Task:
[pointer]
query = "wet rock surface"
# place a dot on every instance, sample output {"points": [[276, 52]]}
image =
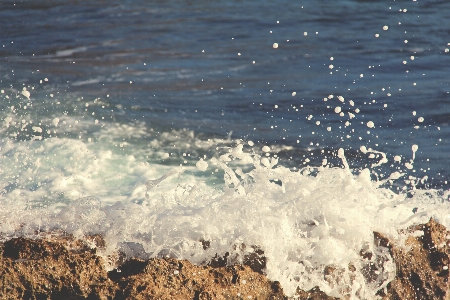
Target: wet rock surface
{"points": [[43, 269], [67, 268], [422, 263]]}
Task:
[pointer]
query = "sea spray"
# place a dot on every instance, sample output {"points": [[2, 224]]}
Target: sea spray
{"points": [[306, 220], [175, 191]]}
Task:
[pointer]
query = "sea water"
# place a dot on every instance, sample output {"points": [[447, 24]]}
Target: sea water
{"points": [[297, 128]]}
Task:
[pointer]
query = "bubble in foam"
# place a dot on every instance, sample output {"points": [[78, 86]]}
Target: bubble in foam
{"points": [[337, 109], [202, 165], [275, 45], [250, 143], [397, 158], [36, 129], [414, 149], [26, 93], [266, 149], [265, 161], [370, 124], [420, 119]]}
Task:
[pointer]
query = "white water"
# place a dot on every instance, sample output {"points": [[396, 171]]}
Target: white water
{"points": [[303, 219]]}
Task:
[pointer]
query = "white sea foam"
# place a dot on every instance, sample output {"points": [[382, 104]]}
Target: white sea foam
{"points": [[169, 191], [302, 219]]}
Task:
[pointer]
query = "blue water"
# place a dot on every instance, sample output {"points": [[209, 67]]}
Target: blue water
{"points": [[177, 65]]}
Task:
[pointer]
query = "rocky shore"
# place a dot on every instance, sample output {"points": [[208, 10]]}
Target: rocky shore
{"points": [[66, 268]]}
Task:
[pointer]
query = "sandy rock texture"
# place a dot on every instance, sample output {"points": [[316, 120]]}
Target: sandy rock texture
{"points": [[67, 268], [422, 266], [42, 269]]}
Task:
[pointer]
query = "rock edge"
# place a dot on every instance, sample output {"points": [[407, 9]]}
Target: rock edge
{"points": [[67, 268]]}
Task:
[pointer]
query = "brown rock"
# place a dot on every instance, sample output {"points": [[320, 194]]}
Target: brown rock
{"points": [[179, 279], [313, 294], [422, 271], [68, 268], [40, 269]]}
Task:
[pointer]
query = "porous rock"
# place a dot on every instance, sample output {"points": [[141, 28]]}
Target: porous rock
{"points": [[68, 268], [422, 263], [43, 269]]}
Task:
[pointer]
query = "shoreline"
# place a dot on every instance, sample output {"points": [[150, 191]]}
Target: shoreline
{"points": [[65, 267]]}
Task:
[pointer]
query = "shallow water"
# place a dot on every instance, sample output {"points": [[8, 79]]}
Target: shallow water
{"points": [[161, 124]]}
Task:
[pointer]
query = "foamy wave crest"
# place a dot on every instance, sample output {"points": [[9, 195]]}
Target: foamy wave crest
{"points": [[312, 224]]}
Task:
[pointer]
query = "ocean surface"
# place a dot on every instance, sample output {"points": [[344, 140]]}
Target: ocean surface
{"points": [[298, 127]]}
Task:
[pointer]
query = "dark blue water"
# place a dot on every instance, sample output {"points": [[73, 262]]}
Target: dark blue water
{"points": [[211, 68]]}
